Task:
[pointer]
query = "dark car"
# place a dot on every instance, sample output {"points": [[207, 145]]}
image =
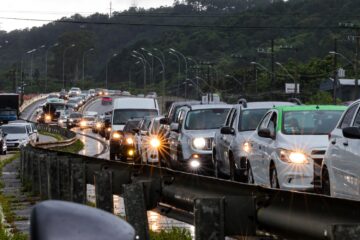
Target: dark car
{"points": [[73, 120], [123, 143], [105, 129]]}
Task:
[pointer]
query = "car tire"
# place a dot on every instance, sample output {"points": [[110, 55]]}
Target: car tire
{"points": [[232, 171], [215, 163], [249, 174], [112, 156], [325, 182], [274, 182]]}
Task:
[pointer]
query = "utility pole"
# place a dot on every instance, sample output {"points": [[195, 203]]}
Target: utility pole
{"points": [[356, 65], [272, 68], [335, 72]]}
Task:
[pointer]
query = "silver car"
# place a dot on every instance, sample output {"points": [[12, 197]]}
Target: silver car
{"points": [[229, 157], [192, 134]]}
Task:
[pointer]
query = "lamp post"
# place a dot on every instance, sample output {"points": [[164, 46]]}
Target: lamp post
{"points": [[46, 64], [256, 64], [63, 70], [144, 67], [152, 64], [183, 56], [163, 77], [179, 72], [83, 64], [291, 76], [106, 69], [236, 80]]}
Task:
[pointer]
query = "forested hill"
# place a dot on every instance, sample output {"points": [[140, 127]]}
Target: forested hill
{"points": [[227, 33]]}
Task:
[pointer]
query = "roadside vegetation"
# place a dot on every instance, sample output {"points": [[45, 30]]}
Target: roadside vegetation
{"points": [[58, 137], [73, 148], [8, 215], [171, 234]]}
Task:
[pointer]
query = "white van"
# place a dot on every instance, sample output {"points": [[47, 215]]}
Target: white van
{"points": [[128, 108]]}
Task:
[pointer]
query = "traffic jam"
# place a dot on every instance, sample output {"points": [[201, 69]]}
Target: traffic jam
{"points": [[277, 144]]}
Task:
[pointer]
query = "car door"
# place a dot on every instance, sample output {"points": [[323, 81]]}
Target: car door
{"points": [[256, 155], [175, 137], [220, 143], [340, 155], [227, 140]]}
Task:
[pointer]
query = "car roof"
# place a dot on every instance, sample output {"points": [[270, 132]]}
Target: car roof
{"points": [[267, 104], [135, 103], [210, 106], [311, 107]]}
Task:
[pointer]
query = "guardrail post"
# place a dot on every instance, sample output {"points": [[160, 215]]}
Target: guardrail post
{"points": [[135, 209], [103, 190], [34, 163], [53, 178], [43, 162], [64, 178], [78, 183], [209, 219]]}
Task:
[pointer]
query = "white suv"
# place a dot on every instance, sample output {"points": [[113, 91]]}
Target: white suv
{"points": [[341, 165], [288, 146]]}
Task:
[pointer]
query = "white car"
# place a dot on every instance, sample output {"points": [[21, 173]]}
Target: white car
{"points": [[87, 122], [31, 128], [341, 165], [17, 136], [74, 92], [288, 146]]}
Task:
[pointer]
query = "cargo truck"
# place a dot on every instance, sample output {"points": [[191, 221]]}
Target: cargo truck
{"points": [[9, 107]]}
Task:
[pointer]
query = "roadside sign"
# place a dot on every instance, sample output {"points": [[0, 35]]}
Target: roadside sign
{"points": [[341, 73], [290, 88]]}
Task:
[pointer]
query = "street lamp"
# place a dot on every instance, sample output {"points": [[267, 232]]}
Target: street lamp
{"points": [[234, 78], [63, 70], [152, 64], [183, 56], [144, 67], [46, 64], [179, 72], [83, 64], [291, 76], [163, 77], [106, 69]]}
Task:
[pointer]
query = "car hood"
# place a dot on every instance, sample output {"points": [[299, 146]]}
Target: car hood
{"points": [[304, 143], [12, 136], [117, 127], [201, 133]]}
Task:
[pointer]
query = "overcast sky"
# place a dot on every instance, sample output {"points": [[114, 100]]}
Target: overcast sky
{"points": [[55, 9]]}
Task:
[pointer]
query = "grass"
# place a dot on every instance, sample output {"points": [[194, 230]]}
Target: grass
{"points": [[58, 137], [76, 147], [5, 202], [171, 234]]}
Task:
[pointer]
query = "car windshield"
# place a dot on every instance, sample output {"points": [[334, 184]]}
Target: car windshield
{"points": [[75, 115], [130, 125], [89, 119], [14, 129], [313, 122], [7, 112], [54, 106], [250, 118], [206, 119], [121, 116]]}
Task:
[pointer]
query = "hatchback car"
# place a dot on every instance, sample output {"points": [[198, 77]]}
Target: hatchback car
{"points": [[229, 157], [288, 146], [192, 135], [341, 165], [17, 136], [73, 120]]}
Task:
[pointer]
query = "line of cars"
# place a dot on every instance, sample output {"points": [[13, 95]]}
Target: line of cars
{"points": [[283, 145]]}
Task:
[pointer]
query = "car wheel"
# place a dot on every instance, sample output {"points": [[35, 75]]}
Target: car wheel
{"points": [[232, 167], [325, 182], [249, 174], [215, 162], [37, 139], [274, 182]]}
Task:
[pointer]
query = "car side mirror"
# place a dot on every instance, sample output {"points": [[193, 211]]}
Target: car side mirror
{"points": [[351, 132], [76, 221], [264, 132], [227, 130], [174, 127], [165, 121]]}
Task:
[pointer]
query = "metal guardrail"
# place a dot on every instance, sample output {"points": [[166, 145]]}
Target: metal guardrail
{"points": [[69, 136], [217, 208]]}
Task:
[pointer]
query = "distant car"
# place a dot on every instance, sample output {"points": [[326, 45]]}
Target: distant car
{"points": [[98, 123], [74, 119], [17, 136], [73, 92], [106, 100], [125, 93], [31, 128], [73, 103], [92, 92], [63, 94], [105, 129], [87, 122]]}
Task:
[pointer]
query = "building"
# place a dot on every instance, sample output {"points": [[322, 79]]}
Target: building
{"points": [[345, 88]]}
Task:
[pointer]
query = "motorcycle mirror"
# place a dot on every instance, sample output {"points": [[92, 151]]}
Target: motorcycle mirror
{"points": [[72, 221]]}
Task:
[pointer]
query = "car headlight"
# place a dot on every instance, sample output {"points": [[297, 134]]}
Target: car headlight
{"points": [[98, 125], [296, 157], [155, 142], [109, 129], [82, 123], [48, 117], [131, 153], [61, 121], [71, 120], [199, 143], [246, 147], [116, 135], [129, 141]]}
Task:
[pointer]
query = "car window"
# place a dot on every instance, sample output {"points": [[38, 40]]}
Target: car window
{"points": [[28, 128], [233, 118], [357, 120], [272, 124], [265, 121], [229, 117], [346, 121]]}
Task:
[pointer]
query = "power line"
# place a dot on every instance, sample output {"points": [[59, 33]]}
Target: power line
{"points": [[69, 21]]}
